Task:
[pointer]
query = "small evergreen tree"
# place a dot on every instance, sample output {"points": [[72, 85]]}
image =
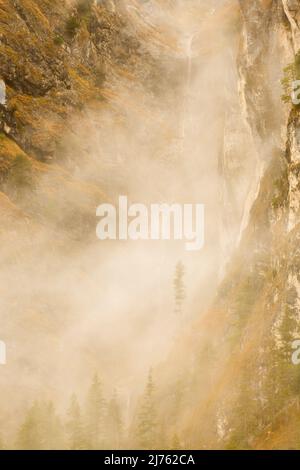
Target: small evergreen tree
{"points": [[147, 425], [41, 429], [95, 412], [114, 424], [30, 436], [51, 427], [75, 426]]}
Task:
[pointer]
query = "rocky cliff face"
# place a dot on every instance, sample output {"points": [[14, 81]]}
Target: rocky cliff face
{"points": [[55, 60], [247, 386], [59, 60], [63, 64], [72, 68]]}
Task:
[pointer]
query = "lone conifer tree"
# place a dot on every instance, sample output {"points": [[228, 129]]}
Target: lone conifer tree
{"points": [[95, 408], [147, 425], [114, 423], [75, 426], [30, 435], [41, 428]]}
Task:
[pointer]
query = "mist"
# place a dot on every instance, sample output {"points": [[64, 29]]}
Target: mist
{"points": [[72, 305]]}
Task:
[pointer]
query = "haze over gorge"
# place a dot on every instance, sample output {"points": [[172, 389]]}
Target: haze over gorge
{"points": [[129, 342]]}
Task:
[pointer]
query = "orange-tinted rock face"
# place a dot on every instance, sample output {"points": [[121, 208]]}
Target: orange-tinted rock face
{"points": [[53, 62], [101, 99]]}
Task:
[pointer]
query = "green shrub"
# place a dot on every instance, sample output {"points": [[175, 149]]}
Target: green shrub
{"points": [[291, 74], [58, 40], [281, 189], [72, 25]]}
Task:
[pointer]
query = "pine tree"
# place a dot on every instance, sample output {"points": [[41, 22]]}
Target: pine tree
{"points": [[162, 440], [51, 427], [114, 424], [30, 435], [179, 287], [246, 411], [41, 429], [75, 426], [147, 425], [95, 412]]}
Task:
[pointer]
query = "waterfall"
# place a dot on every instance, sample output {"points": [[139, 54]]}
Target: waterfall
{"points": [[188, 50]]}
